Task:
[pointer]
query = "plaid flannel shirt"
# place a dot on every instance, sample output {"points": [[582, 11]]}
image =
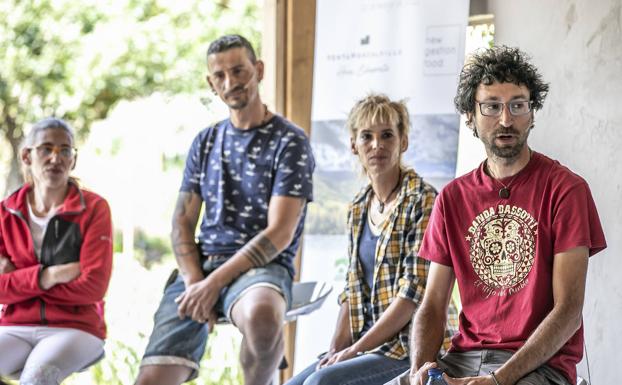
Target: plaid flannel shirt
{"points": [[398, 271]]}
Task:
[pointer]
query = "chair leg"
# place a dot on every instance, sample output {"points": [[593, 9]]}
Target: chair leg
{"points": [[276, 380], [582, 381]]}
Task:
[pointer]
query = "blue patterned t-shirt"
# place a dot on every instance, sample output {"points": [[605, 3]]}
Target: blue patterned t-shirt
{"points": [[237, 171]]}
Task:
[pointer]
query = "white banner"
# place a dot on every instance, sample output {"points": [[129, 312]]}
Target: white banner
{"points": [[407, 49]]}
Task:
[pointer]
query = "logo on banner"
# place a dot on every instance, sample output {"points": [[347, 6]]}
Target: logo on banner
{"points": [[502, 249]]}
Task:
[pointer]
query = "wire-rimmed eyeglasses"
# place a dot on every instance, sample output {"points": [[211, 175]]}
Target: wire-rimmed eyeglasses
{"points": [[516, 107], [46, 150]]}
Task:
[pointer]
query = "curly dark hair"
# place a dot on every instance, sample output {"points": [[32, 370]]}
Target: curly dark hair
{"points": [[227, 42], [501, 64]]}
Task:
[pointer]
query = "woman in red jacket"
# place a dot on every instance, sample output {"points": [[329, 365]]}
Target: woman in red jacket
{"points": [[55, 264]]}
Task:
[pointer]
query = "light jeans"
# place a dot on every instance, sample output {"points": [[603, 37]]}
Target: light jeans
{"points": [[367, 369], [41, 355]]}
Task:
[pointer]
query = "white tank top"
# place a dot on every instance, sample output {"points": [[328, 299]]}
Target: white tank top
{"points": [[38, 225]]}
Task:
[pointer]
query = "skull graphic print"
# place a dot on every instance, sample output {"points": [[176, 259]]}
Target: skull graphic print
{"points": [[502, 247]]}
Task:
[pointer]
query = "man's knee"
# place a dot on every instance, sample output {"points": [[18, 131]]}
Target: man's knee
{"points": [[262, 326], [163, 374]]}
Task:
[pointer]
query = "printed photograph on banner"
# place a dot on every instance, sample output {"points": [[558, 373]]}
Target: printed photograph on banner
{"points": [[433, 140]]}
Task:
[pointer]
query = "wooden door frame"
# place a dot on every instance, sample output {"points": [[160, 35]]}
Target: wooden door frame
{"points": [[288, 48]]}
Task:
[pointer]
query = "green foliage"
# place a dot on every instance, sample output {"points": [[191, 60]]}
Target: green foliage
{"points": [[483, 33], [117, 239], [219, 365], [150, 249], [173, 162], [341, 267], [488, 35], [78, 59], [118, 369], [225, 350]]}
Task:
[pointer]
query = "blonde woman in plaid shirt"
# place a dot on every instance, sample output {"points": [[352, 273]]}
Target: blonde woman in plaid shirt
{"points": [[385, 279]]}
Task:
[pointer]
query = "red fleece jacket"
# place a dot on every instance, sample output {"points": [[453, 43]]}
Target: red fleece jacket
{"points": [[85, 234]]}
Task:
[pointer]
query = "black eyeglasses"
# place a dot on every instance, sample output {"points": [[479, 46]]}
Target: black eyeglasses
{"points": [[46, 151], [516, 107]]}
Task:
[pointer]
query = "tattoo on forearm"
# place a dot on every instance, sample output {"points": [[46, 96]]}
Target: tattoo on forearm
{"points": [[184, 247], [182, 237], [260, 250], [185, 250]]}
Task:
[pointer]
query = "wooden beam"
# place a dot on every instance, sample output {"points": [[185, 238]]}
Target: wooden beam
{"points": [[296, 20], [300, 41], [273, 55]]}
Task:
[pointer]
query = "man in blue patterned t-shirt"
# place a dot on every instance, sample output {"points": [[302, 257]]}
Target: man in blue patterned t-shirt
{"points": [[253, 173]]}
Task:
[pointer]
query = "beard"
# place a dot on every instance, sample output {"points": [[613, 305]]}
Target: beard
{"points": [[239, 102], [506, 151]]}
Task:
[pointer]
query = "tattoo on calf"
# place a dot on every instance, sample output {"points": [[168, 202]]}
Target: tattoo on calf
{"points": [[260, 251]]}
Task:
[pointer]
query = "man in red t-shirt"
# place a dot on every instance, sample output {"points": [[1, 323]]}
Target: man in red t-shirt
{"points": [[516, 233]]}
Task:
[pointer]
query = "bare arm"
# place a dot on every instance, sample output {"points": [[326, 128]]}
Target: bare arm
{"points": [[185, 218], [429, 324], [397, 315], [342, 337], [569, 276], [283, 216]]}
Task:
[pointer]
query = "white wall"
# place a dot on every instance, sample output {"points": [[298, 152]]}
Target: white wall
{"points": [[577, 45]]}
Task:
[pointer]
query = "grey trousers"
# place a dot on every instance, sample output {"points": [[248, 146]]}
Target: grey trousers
{"points": [[481, 362]]}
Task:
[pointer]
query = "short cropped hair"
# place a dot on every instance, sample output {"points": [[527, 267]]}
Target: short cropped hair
{"points": [[227, 42], [29, 141], [378, 109], [498, 64]]}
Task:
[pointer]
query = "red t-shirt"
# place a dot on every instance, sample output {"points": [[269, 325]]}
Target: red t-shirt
{"points": [[502, 251]]}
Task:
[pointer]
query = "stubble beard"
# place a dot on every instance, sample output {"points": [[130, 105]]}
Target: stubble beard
{"points": [[508, 153], [237, 104]]}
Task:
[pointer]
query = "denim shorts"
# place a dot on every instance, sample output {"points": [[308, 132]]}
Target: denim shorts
{"points": [[182, 342]]}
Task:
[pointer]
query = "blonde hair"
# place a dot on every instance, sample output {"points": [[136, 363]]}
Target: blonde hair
{"points": [[377, 109], [29, 141]]}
